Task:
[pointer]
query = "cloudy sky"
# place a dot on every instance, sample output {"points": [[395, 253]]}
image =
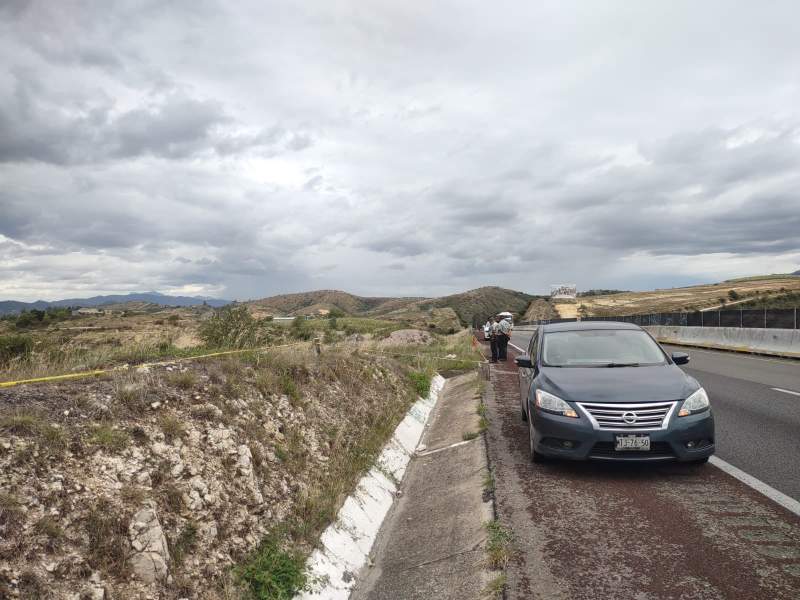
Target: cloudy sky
{"points": [[241, 149]]}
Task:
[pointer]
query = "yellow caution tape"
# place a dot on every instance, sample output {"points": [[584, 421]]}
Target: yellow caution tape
{"points": [[98, 372]]}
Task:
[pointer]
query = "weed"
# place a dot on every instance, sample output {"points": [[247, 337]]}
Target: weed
{"points": [[172, 427], [172, 497], [488, 482], [481, 409], [266, 383], [289, 388], [21, 423], [31, 586], [52, 440], [10, 512], [494, 589], [109, 439], [469, 435], [272, 572], [498, 545], [106, 528], [132, 495], [421, 382], [483, 424], [184, 543], [130, 394], [50, 530], [280, 453], [184, 380]]}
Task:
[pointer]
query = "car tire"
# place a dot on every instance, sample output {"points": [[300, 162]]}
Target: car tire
{"points": [[699, 462], [523, 414], [535, 456]]}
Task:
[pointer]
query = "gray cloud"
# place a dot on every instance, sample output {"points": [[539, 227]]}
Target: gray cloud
{"points": [[250, 148]]}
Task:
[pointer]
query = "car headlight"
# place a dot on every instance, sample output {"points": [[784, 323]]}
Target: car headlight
{"points": [[697, 402], [554, 404]]}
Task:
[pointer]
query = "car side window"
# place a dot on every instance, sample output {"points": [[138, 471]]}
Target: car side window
{"points": [[533, 346]]}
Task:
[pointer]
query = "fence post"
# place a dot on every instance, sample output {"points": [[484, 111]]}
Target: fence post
{"points": [[765, 318], [740, 319], [701, 318], [795, 318]]}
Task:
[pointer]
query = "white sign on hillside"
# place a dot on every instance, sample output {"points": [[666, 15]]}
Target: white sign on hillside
{"points": [[564, 291]]}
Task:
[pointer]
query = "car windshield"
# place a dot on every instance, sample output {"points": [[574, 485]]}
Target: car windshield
{"points": [[600, 348]]}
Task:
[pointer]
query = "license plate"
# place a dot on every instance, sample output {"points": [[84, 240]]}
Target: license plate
{"points": [[633, 442]]}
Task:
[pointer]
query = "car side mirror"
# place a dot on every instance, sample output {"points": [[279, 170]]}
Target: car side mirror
{"points": [[524, 361], [680, 358]]}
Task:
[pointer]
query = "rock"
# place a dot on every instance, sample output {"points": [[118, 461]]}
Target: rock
{"points": [[155, 405], [149, 562]]}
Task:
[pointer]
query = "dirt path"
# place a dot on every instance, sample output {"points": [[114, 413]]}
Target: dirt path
{"points": [[598, 531]]}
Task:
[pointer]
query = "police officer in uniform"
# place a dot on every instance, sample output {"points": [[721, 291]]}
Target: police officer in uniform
{"points": [[494, 338], [503, 337]]}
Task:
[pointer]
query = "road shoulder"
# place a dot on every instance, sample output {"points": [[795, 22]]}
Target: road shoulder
{"points": [[432, 543]]}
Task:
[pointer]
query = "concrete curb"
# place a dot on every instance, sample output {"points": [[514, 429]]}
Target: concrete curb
{"points": [[769, 342], [345, 545]]}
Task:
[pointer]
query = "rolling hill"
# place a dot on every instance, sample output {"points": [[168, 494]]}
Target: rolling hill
{"points": [[462, 308]]}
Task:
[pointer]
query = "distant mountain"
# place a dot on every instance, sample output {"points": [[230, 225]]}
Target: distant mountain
{"points": [[796, 272], [13, 306]]}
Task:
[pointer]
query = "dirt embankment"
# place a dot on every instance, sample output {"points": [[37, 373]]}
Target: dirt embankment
{"points": [[154, 484], [540, 309]]}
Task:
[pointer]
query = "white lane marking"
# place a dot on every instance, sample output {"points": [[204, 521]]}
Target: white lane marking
{"points": [[785, 501], [517, 347], [435, 450], [787, 391]]}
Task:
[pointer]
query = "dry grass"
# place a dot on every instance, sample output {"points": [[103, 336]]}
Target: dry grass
{"points": [[681, 299], [109, 439], [106, 530], [183, 380], [172, 426]]}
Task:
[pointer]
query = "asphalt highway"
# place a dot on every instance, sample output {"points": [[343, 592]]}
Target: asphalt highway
{"points": [[596, 530], [757, 425]]}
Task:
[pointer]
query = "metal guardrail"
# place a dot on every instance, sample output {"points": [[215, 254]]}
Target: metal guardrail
{"points": [[762, 318]]}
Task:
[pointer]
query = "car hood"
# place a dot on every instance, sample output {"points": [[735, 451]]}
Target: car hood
{"points": [[619, 384]]}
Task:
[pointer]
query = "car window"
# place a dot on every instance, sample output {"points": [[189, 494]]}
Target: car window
{"points": [[600, 348], [533, 345]]}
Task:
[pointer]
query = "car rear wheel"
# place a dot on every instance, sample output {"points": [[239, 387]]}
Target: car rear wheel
{"points": [[523, 413]]}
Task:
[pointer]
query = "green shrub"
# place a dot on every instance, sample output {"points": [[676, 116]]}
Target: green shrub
{"points": [[15, 346], [274, 573], [302, 329], [421, 382], [233, 327]]}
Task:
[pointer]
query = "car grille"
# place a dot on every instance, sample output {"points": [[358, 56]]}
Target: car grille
{"points": [[623, 417]]}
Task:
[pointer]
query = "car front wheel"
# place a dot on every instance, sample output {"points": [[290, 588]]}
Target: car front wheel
{"points": [[535, 456]]}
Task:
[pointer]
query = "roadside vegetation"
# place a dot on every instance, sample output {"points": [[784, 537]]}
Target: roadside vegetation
{"points": [[499, 551], [247, 456]]}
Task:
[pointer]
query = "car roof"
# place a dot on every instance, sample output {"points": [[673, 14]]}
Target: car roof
{"points": [[585, 325]]}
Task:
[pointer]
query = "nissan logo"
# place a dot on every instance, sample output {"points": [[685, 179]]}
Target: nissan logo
{"points": [[629, 417]]}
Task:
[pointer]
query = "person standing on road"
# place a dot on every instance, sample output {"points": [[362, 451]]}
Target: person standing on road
{"points": [[494, 335], [504, 328]]}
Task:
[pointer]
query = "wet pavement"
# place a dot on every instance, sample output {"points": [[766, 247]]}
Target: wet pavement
{"points": [[599, 530]]}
